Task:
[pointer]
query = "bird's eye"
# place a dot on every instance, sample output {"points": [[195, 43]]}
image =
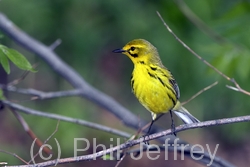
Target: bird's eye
{"points": [[132, 48]]}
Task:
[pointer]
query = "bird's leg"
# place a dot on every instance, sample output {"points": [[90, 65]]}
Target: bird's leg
{"points": [[172, 124], [151, 124]]}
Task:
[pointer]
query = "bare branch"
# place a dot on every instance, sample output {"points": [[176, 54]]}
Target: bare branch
{"points": [[203, 60], [23, 76], [238, 88], [198, 93], [40, 94], [46, 141], [69, 74], [57, 125], [17, 81], [64, 118], [202, 26], [29, 131], [14, 155], [198, 22], [55, 44], [131, 143]]}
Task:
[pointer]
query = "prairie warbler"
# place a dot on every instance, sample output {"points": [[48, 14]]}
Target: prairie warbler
{"points": [[152, 83]]}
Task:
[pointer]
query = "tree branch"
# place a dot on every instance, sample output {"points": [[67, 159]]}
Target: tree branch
{"points": [[198, 22], [200, 92], [53, 133], [14, 155], [30, 132], [131, 143], [203, 60], [69, 73], [65, 118], [40, 94]]}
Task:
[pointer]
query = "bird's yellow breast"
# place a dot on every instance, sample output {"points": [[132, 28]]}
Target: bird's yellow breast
{"points": [[152, 89]]}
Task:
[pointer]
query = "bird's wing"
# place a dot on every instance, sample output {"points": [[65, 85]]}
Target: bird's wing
{"points": [[176, 87], [165, 72]]}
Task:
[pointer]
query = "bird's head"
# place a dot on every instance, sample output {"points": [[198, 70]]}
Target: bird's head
{"points": [[140, 51]]}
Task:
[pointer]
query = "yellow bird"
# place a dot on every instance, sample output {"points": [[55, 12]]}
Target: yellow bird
{"points": [[152, 83]]}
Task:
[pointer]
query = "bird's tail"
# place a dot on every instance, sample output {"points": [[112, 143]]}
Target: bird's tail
{"points": [[183, 114]]}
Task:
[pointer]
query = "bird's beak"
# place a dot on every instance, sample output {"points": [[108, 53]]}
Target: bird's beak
{"points": [[119, 51]]}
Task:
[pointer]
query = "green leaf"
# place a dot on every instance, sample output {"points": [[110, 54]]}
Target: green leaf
{"points": [[17, 58], [4, 61]]}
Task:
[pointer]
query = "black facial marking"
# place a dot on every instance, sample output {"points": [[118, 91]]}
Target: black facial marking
{"points": [[133, 55], [141, 62]]}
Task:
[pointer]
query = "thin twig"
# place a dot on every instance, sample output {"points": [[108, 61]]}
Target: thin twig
{"points": [[202, 25], [14, 155], [17, 81], [198, 93], [57, 125], [238, 88], [54, 45], [65, 118], [233, 88], [37, 94], [46, 140], [23, 76], [68, 73], [198, 22], [120, 160], [29, 131], [203, 60]]}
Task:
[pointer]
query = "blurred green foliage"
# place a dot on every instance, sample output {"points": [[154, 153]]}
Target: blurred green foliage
{"points": [[90, 30]]}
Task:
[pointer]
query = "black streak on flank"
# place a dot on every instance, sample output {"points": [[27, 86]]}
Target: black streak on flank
{"points": [[151, 75], [170, 97], [166, 85], [153, 68], [161, 81], [132, 84]]}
